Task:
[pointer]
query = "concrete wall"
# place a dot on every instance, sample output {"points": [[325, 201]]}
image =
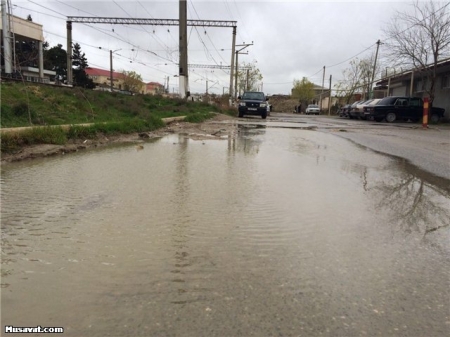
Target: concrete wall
{"points": [[442, 98], [26, 28]]}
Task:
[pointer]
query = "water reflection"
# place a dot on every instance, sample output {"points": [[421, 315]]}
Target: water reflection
{"points": [[248, 139], [275, 232], [414, 203]]}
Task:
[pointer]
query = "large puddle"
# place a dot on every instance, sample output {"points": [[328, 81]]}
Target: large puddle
{"points": [[272, 232]]}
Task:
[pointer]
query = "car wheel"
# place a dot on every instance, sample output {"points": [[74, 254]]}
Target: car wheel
{"points": [[264, 115], [350, 116], [241, 114], [434, 118], [391, 117]]}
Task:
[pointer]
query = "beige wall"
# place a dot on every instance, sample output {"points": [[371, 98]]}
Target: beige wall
{"points": [[26, 28]]}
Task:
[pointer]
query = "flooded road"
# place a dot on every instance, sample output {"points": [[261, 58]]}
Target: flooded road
{"points": [[271, 232]]}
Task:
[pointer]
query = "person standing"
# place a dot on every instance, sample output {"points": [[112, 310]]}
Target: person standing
{"points": [[299, 108]]}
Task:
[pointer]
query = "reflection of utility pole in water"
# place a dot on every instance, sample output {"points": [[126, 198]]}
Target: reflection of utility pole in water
{"points": [[181, 223]]}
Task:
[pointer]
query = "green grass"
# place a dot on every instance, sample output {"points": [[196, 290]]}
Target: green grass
{"points": [[50, 105], [110, 113]]}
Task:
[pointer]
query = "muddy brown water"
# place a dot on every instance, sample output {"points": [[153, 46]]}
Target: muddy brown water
{"points": [[271, 232]]}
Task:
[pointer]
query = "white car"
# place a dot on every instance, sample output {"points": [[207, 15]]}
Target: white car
{"points": [[312, 109]]}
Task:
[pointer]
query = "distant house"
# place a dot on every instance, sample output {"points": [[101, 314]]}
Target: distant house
{"points": [[102, 78], [321, 97], [415, 83], [154, 88]]}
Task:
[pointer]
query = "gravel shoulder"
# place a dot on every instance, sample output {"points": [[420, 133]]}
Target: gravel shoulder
{"points": [[212, 128]]}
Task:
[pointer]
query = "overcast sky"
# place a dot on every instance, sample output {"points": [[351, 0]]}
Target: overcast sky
{"points": [[291, 39]]}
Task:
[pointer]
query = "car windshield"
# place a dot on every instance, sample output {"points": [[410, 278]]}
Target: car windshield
{"points": [[313, 106], [254, 95], [375, 101]]}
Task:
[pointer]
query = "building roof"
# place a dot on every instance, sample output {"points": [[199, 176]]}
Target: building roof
{"points": [[101, 72], [442, 64], [154, 84]]}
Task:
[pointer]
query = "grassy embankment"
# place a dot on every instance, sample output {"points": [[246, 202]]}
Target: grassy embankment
{"points": [[111, 113]]}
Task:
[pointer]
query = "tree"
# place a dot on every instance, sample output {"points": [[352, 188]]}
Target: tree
{"points": [[79, 64], [132, 81], [56, 59], [248, 78], [303, 90], [356, 78], [420, 40]]}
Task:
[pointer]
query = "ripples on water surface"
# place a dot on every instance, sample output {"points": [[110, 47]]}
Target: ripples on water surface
{"points": [[273, 232]]}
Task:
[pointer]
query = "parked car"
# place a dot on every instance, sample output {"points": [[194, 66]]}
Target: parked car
{"points": [[253, 103], [395, 108], [351, 111], [357, 109], [312, 109], [344, 110], [369, 107]]}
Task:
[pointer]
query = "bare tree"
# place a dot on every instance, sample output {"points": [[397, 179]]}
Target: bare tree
{"points": [[420, 39], [351, 82], [249, 78]]}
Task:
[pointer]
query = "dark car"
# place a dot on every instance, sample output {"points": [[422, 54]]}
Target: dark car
{"points": [[253, 103], [394, 108]]}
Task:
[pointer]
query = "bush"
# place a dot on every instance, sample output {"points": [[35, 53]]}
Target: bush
{"points": [[20, 109]]}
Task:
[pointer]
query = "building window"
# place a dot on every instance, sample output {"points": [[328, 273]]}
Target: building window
{"points": [[446, 81], [421, 85]]}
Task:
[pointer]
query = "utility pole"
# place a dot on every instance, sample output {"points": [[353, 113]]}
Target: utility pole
{"points": [[321, 93], [233, 46], [111, 81], [183, 66], [329, 99], [244, 45], [69, 52], [246, 81], [6, 39], [374, 68]]}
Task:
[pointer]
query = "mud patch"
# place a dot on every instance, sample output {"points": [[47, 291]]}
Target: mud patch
{"points": [[215, 128]]}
